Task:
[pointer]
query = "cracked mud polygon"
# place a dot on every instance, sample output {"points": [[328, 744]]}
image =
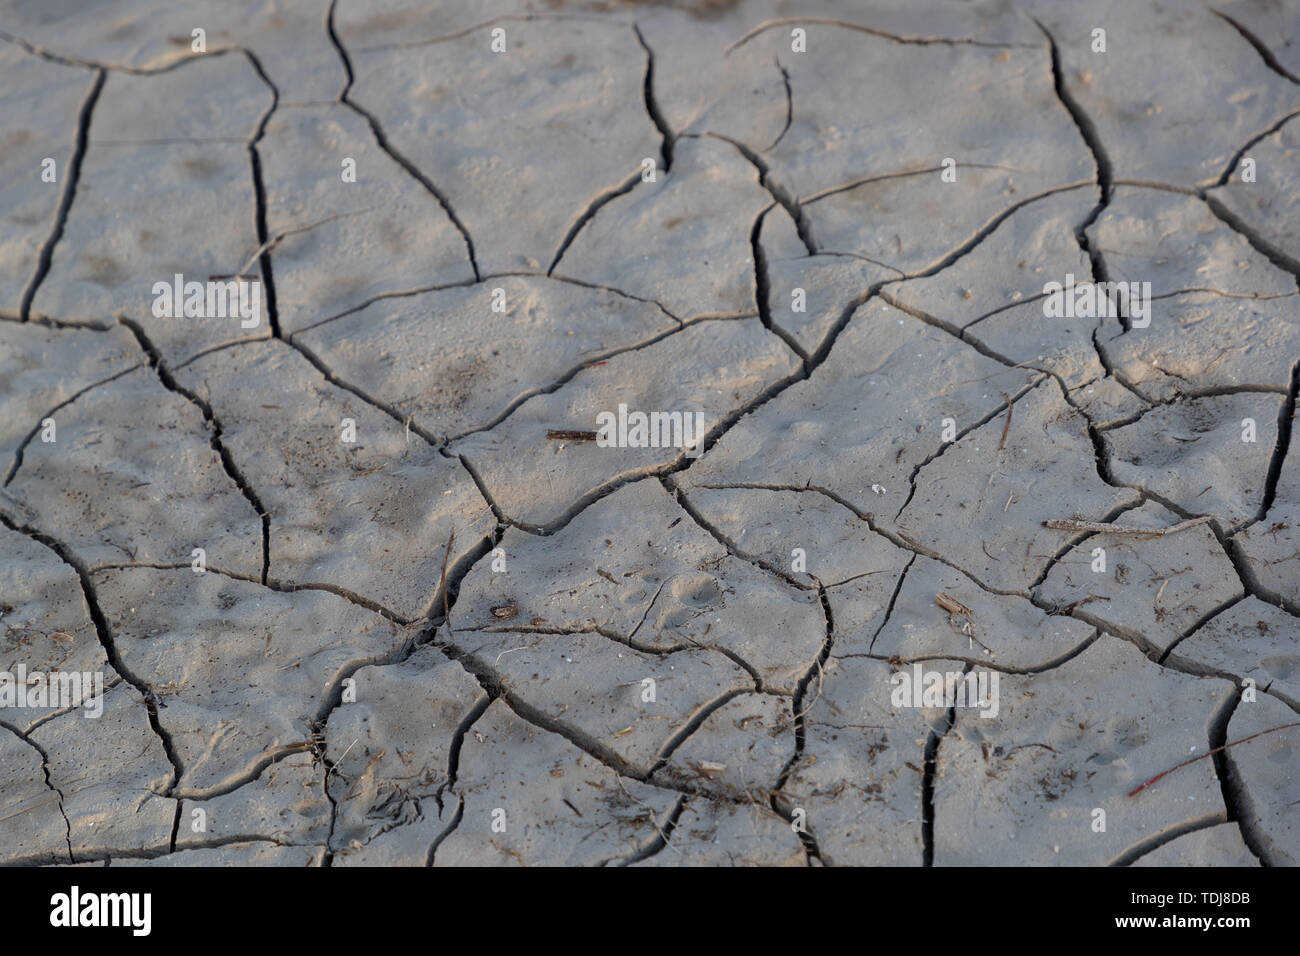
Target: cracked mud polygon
{"points": [[627, 433]]}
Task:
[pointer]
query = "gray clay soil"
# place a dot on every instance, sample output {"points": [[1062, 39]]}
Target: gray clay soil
{"points": [[352, 605]]}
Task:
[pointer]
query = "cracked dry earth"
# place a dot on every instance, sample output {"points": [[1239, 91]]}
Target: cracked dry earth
{"points": [[456, 640]]}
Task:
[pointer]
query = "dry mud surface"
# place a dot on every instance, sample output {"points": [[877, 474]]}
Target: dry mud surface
{"points": [[351, 604]]}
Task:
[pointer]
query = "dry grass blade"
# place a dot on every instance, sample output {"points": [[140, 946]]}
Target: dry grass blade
{"points": [[1103, 527], [1178, 766]]}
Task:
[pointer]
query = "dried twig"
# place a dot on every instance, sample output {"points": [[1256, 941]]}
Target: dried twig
{"points": [[446, 599], [1069, 608], [564, 434], [335, 767], [1104, 527], [1161, 592], [1208, 753], [618, 779], [286, 233], [952, 605], [1006, 426]]}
